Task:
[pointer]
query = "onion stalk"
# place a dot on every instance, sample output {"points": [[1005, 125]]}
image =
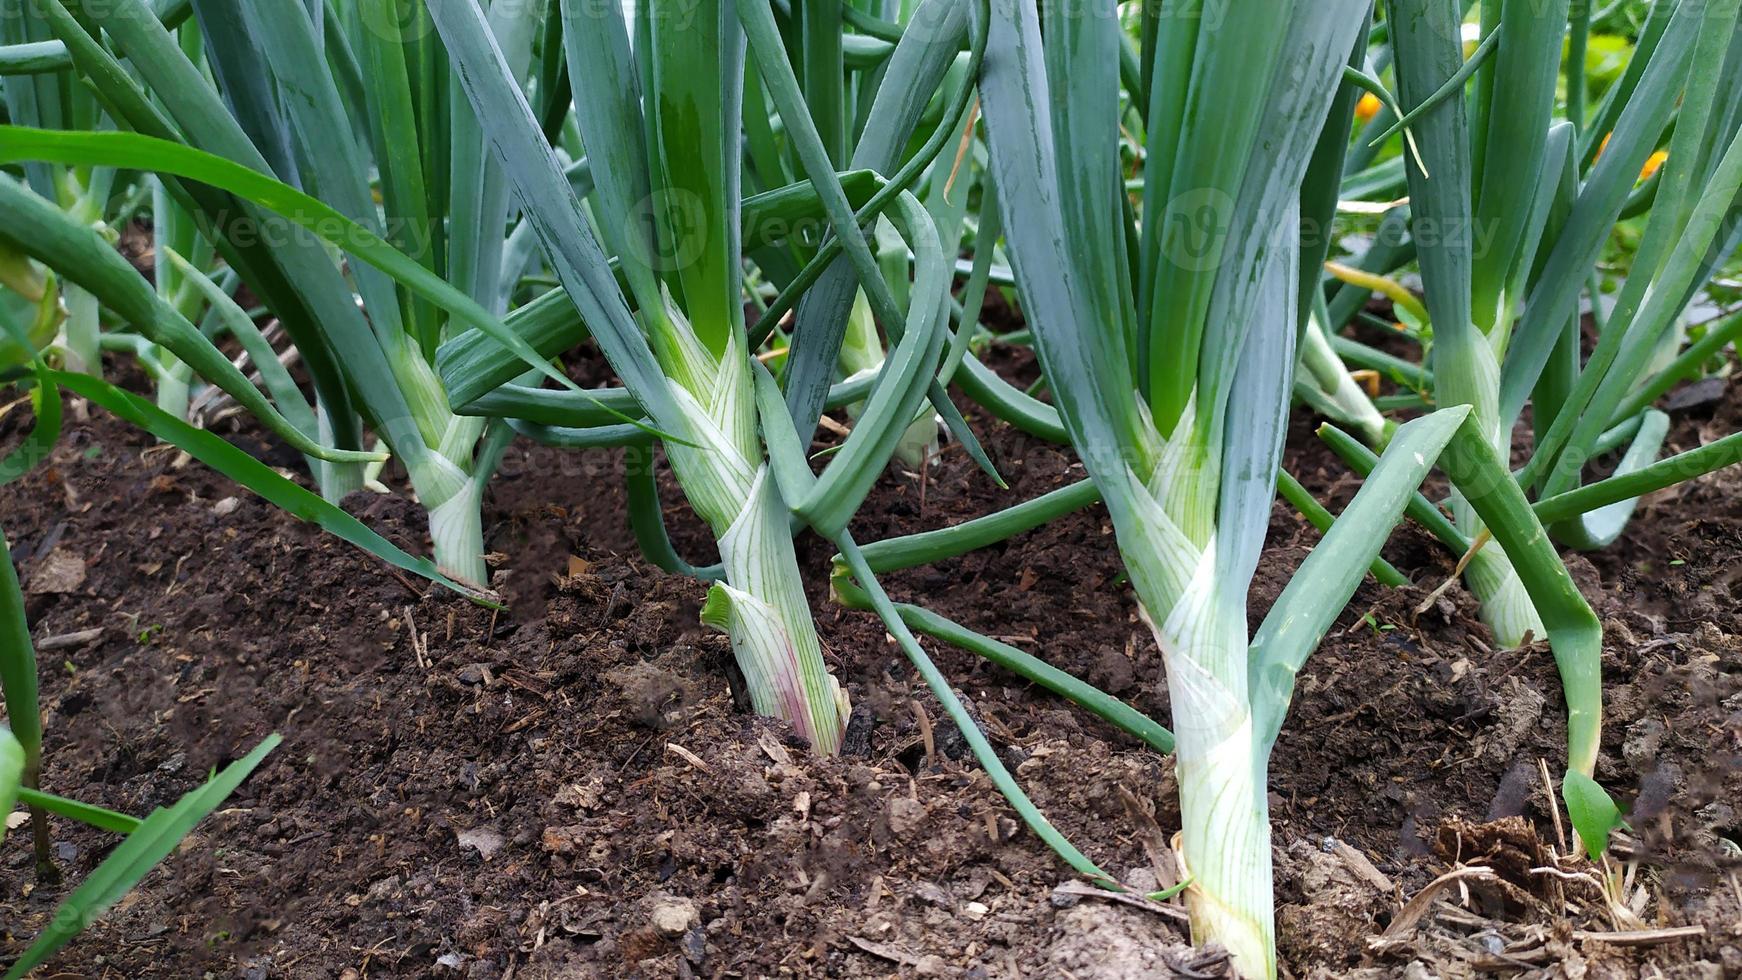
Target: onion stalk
{"points": [[685, 353], [1514, 226], [1172, 376], [685, 362]]}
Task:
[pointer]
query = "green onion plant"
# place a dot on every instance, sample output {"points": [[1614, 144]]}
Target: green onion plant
{"points": [[661, 118], [1510, 209], [1167, 331], [865, 107], [668, 210]]}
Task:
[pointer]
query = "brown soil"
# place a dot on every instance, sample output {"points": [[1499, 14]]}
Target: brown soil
{"points": [[569, 790]]}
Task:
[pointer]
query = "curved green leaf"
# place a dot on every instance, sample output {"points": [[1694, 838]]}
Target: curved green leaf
{"points": [[1024, 665], [87, 813], [254, 475], [133, 151], [11, 775], [1593, 813], [36, 227], [1321, 587], [153, 841]]}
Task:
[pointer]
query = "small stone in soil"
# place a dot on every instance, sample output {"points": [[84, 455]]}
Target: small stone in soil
{"points": [[856, 740], [59, 573], [1112, 671], [481, 839], [932, 893], [382, 890], [694, 945], [1703, 392], [673, 917], [562, 840], [904, 814], [950, 740]]}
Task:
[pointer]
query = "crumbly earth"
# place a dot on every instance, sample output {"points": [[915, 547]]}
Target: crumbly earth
{"points": [[569, 790]]}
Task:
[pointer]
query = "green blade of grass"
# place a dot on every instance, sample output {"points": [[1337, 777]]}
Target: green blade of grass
{"points": [[232, 229], [251, 473], [234, 55], [1231, 70], [1008, 403], [1320, 517], [595, 39], [1515, 149], [1087, 366], [315, 108], [1420, 510], [1452, 86], [151, 842], [1615, 99], [33, 58], [926, 547], [85, 813], [1593, 217], [11, 766], [381, 48], [550, 204], [1599, 527], [1687, 364], [901, 385], [777, 72], [18, 667], [1322, 185], [474, 363], [958, 715], [696, 55], [1625, 347], [1647, 479], [133, 151], [647, 518]]}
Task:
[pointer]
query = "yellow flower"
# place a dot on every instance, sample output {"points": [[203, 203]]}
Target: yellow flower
{"points": [[1368, 107], [1652, 163]]}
